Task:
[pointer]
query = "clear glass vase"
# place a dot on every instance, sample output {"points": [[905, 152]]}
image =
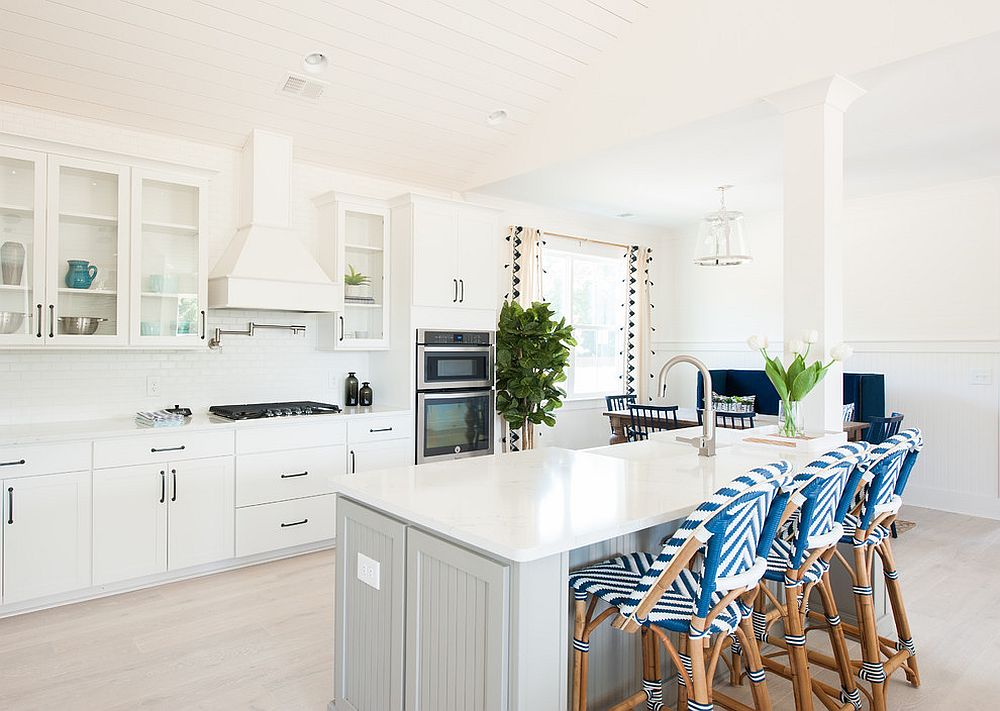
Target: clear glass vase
{"points": [[790, 418]]}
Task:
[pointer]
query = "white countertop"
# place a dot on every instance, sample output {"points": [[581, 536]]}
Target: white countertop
{"points": [[530, 505], [40, 432]]}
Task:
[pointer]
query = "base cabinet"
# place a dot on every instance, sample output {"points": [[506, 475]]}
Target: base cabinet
{"points": [[46, 535], [370, 456], [201, 513]]}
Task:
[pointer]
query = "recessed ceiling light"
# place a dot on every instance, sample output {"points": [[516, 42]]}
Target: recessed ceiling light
{"points": [[315, 62], [625, 215], [495, 118]]}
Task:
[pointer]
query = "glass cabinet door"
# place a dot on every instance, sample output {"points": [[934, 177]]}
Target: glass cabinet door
{"points": [[169, 280], [87, 253], [364, 238], [22, 247]]}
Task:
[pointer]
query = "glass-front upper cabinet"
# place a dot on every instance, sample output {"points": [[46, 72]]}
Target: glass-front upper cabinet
{"points": [[357, 252], [87, 253], [22, 247], [169, 279]]}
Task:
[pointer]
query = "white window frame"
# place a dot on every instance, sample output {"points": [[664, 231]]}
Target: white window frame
{"points": [[578, 250]]}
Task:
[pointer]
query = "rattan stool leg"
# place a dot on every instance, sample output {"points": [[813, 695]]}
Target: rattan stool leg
{"points": [[899, 612], [838, 642], [795, 638], [872, 668]]}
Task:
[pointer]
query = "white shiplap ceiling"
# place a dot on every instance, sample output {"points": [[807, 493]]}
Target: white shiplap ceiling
{"points": [[411, 81]]}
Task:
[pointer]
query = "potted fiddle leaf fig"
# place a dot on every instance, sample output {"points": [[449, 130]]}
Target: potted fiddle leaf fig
{"points": [[355, 283], [532, 356]]}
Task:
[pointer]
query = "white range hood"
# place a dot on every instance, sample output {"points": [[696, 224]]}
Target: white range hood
{"points": [[265, 265]]}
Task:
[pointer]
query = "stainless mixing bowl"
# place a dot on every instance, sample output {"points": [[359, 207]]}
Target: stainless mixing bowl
{"points": [[10, 321], [79, 325]]}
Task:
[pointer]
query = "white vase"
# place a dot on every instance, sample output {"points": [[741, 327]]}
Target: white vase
{"points": [[357, 291]]}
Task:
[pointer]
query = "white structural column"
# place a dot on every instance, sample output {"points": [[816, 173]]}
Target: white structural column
{"points": [[813, 117]]}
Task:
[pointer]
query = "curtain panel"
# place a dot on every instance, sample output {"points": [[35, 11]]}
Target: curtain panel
{"points": [[638, 355]]}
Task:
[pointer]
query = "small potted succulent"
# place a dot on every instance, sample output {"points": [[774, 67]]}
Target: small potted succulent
{"points": [[356, 284]]}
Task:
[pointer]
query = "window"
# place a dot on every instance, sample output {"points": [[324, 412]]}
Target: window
{"points": [[585, 283]]}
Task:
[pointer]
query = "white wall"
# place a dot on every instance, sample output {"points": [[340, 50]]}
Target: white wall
{"points": [[921, 306]]}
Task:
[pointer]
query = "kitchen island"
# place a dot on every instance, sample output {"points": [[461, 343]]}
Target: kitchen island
{"points": [[452, 577]]}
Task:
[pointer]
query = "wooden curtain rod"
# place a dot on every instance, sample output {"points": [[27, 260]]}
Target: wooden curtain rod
{"points": [[588, 239]]}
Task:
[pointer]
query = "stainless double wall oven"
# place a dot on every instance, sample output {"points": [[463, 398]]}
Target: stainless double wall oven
{"points": [[455, 396]]}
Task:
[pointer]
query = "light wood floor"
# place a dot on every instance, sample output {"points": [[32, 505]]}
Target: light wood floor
{"points": [[261, 638]]}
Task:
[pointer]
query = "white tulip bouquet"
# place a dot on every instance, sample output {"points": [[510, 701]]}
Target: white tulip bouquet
{"points": [[798, 380]]}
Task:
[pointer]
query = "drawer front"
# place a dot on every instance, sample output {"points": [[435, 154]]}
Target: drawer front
{"points": [[374, 429], [44, 459], [270, 527], [277, 476], [273, 437], [173, 446]]}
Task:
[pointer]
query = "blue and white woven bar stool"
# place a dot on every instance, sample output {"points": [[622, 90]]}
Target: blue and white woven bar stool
{"points": [[799, 560], [701, 586], [867, 530]]}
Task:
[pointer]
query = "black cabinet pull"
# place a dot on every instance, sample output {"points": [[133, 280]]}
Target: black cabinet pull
{"points": [[52, 320], [38, 332], [295, 523], [354, 466], [380, 429], [12, 464], [204, 325], [455, 297], [173, 473], [292, 476], [461, 299], [341, 327], [163, 486], [10, 504], [154, 450]]}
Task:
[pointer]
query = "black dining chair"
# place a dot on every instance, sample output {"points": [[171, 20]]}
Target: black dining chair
{"points": [[731, 420], [650, 418], [882, 428], [618, 403]]}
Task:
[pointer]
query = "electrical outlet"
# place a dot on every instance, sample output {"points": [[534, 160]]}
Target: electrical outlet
{"points": [[335, 380], [152, 386], [368, 571], [981, 376]]}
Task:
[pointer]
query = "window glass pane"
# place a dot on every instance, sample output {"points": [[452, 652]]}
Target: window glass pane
{"points": [[555, 281]]}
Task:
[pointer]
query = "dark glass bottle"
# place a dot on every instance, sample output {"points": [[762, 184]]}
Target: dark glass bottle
{"points": [[351, 396], [366, 394]]}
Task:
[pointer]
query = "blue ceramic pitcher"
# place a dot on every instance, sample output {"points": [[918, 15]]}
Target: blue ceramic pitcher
{"points": [[81, 274]]}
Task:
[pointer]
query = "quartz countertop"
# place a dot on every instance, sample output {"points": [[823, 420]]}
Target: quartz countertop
{"points": [[40, 432], [530, 505]]}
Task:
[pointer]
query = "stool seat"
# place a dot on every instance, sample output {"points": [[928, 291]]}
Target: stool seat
{"points": [[779, 561], [614, 581], [851, 523]]}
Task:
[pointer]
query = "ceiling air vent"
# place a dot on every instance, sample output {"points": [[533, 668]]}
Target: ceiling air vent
{"points": [[302, 87]]}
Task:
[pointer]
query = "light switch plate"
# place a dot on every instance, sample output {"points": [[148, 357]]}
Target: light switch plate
{"points": [[981, 376], [368, 571], [152, 385]]}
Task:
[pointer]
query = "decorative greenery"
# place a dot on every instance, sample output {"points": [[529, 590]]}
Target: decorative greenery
{"points": [[355, 278], [532, 356], [798, 380]]}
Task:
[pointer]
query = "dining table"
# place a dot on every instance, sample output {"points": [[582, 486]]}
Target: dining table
{"points": [[688, 417]]}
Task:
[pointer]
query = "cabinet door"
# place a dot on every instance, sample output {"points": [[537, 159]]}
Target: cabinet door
{"points": [[22, 247], [46, 538], [477, 261], [201, 523], [169, 261], [456, 627], [130, 522], [363, 234], [379, 455], [87, 252], [435, 256]]}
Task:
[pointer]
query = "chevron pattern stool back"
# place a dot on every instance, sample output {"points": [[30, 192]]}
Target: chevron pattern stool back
{"points": [[696, 587]]}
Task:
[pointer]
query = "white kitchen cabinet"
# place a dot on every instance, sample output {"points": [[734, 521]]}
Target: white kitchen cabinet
{"points": [[200, 523], [354, 239], [46, 535], [370, 456], [130, 522], [169, 285], [87, 250], [22, 247], [477, 264]]}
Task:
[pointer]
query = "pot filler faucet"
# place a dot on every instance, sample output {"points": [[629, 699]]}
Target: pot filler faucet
{"points": [[705, 443]]}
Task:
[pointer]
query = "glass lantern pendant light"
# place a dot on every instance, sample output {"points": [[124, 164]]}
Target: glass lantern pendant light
{"points": [[720, 237]]}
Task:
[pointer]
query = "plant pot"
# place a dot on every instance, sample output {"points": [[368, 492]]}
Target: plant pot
{"points": [[790, 418], [359, 291]]}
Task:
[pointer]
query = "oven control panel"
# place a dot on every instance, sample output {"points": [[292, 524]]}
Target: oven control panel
{"points": [[455, 338]]}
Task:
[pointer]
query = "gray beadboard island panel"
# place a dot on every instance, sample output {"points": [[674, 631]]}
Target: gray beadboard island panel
{"points": [[456, 628], [368, 655]]}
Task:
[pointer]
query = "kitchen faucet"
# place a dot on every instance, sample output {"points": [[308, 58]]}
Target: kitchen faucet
{"points": [[705, 443]]}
